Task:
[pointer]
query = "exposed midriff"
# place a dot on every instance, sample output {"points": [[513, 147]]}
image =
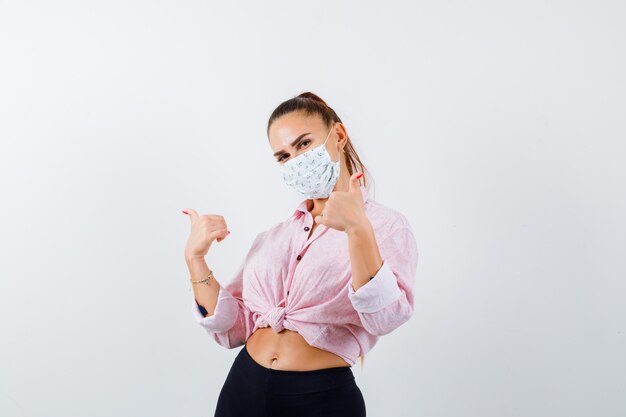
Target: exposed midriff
{"points": [[289, 351]]}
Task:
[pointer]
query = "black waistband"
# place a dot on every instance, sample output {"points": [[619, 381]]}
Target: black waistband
{"points": [[294, 382]]}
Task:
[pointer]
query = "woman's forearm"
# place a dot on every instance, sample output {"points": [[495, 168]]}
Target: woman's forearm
{"points": [[365, 256], [205, 293]]}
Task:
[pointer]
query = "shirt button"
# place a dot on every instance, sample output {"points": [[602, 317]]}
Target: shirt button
{"points": [[306, 229], [299, 257]]}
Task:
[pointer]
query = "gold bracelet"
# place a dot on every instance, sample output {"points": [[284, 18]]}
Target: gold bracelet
{"points": [[204, 280]]}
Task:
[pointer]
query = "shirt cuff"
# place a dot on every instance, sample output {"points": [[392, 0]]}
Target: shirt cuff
{"points": [[225, 315], [377, 293]]}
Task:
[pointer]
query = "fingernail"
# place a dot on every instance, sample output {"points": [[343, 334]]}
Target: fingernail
{"points": [[185, 212], [228, 232], [359, 176]]}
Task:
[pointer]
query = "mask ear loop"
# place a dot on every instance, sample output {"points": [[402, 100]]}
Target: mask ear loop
{"points": [[328, 135], [324, 144]]}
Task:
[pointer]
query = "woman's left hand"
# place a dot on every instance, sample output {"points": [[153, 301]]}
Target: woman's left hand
{"points": [[344, 210]]}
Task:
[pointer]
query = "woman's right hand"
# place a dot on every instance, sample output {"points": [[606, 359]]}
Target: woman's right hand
{"points": [[205, 228]]}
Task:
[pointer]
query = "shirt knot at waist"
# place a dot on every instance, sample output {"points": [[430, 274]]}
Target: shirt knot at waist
{"points": [[273, 318]]}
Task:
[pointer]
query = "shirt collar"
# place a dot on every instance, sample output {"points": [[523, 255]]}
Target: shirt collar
{"points": [[306, 203]]}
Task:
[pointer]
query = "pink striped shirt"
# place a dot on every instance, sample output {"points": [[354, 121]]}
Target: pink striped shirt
{"points": [[290, 281]]}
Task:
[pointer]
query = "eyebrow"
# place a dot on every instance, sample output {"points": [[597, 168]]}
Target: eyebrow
{"points": [[294, 143]]}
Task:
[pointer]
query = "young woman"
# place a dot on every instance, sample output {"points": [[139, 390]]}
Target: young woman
{"points": [[314, 292]]}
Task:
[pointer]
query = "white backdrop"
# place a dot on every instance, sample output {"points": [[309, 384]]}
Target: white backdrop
{"points": [[497, 128]]}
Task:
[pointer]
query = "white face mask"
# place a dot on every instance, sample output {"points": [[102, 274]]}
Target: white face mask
{"points": [[312, 173]]}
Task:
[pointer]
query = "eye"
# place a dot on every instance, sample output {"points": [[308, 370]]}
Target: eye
{"points": [[300, 145]]}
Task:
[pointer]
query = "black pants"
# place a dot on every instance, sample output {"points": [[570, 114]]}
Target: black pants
{"points": [[252, 390]]}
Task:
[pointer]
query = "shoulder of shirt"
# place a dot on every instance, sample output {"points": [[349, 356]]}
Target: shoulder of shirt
{"points": [[276, 228], [385, 218]]}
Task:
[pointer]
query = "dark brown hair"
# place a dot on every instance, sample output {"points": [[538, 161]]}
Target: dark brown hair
{"points": [[311, 104]]}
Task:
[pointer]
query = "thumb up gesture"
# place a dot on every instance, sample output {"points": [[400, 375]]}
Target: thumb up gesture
{"points": [[344, 209], [205, 228]]}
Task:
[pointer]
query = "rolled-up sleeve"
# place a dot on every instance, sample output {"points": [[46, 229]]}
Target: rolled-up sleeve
{"points": [[232, 322], [225, 315], [387, 300]]}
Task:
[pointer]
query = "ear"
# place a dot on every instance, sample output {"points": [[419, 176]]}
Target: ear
{"points": [[342, 143]]}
